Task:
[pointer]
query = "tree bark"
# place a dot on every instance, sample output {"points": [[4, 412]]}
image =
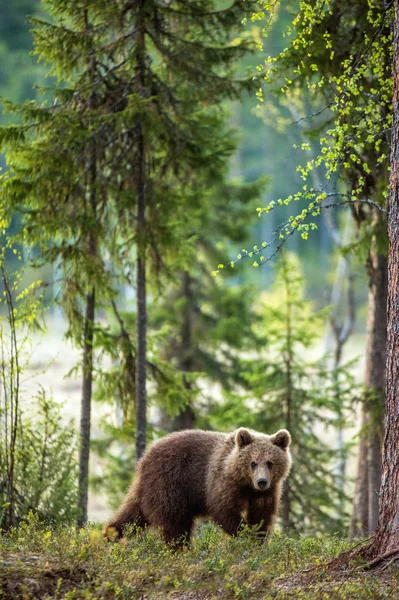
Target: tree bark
{"points": [[141, 353], [286, 508], [88, 333], [387, 534], [85, 413], [365, 510], [141, 392], [288, 360], [186, 418], [375, 375], [360, 516]]}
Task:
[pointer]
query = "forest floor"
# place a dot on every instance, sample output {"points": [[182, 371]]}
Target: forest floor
{"points": [[39, 562]]}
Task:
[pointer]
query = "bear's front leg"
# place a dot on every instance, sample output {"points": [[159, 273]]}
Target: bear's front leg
{"points": [[262, 513], [229, 518]]}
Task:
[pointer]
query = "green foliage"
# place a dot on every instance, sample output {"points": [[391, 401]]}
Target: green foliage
{"points": [[78, 168], [116, 450], [45, 463], [66, 563], [291, 390], [343, 55], [73, 172], [209, 322], [198, 331], [37, 450], [334, 75]]}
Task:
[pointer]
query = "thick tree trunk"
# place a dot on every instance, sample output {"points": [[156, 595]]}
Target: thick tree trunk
{"points": [[85, 413], [387, 535], [365, 510], [141, 351]]}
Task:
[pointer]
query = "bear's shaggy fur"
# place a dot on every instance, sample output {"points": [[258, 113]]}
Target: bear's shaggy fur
{"points": [[231, 478]]}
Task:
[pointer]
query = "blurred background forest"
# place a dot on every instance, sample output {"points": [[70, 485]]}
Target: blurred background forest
{"points": [[282, 344]]}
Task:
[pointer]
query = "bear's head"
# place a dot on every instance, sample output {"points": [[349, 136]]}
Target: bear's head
{"points": [[260, 461]]}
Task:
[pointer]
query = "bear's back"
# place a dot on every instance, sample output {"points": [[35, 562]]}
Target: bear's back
{"points": [[174, 471]]}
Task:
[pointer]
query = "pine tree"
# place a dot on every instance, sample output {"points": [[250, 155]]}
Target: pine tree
{"points": [[58, 179]]}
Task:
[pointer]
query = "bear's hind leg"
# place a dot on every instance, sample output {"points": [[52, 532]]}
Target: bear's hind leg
{"points": [[177, 534], [128, 513]]}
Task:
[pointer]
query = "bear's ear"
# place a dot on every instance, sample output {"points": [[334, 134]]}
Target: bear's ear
{"points": [[282, 439], [243, 437]]}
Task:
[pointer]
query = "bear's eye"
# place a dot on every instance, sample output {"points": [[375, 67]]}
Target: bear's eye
{"points": [[254, 464], [269, 464]]}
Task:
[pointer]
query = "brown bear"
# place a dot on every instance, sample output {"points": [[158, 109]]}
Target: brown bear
{"points": [[231, 478]]}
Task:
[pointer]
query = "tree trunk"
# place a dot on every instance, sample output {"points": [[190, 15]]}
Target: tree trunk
{"points": [[365, 509], [186, 418], [85, 413], [286, 508], [10, 382], [288, 360], [359, 526], [387, 535], [341, 464], [141, 352], [88, 333], [375, 375]]}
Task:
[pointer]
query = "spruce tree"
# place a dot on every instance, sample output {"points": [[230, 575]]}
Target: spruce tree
{"points": [[103, 177], [182, 59], [58, 180], [209, 320]]}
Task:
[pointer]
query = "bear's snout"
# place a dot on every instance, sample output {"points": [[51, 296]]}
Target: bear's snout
{"points": [[263, 484]]}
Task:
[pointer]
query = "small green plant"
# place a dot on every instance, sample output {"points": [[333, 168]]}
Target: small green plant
{"points": [[37, 451], [45, 463]]}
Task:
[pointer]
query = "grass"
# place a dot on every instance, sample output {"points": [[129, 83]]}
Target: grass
{"points": [[37, 561]]}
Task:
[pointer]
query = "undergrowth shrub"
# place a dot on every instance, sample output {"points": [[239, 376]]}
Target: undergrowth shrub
{"points": [[45, 465], [214, 566]]}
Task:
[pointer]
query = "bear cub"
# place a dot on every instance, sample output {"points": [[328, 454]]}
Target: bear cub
{"points": [[230, 478]]}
